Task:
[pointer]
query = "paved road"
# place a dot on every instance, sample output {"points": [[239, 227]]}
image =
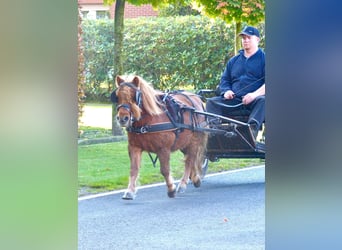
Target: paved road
{"points": [[226, 212]]}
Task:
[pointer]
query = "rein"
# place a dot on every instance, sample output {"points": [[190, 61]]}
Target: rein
{"points": [[250, 84]]}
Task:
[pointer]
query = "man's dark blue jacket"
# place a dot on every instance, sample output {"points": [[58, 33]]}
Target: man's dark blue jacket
{"points": [[243, 75]]}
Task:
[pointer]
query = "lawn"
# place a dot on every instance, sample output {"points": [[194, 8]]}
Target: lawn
{"points": [[105, 167]]}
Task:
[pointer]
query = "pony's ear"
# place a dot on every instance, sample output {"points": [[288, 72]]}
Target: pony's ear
{"points": [[119, 80], [136, 81]]}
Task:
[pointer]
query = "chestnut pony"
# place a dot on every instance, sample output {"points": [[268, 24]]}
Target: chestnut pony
{"points": [[150, 129]]}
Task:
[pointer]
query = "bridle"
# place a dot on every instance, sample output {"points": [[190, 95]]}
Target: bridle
{"points": [[137, 100]]}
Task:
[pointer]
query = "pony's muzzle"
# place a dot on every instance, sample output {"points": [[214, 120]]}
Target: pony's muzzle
{"points": [[123, 121]]}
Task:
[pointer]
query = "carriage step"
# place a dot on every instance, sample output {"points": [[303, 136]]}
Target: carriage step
{"points": [[260, 147]]}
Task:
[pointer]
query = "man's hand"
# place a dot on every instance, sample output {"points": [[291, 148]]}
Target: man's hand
{"points": [[229, 94], [247, 99]]}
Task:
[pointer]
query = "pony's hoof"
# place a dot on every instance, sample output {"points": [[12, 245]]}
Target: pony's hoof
{"points": [[181, 189], [128, 196], [197, 183], [171, 194]]}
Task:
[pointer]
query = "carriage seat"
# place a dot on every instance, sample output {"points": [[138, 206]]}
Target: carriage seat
{"points": [[239, 115]]}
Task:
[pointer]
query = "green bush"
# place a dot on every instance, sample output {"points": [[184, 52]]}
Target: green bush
{"points": [[186, 52], [181, 52], [98, 41]]}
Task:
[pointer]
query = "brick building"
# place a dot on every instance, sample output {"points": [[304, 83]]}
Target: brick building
{"points": [[95, 9]]}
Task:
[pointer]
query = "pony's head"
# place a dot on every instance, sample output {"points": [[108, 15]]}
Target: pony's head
{"points": [[134, 96]]}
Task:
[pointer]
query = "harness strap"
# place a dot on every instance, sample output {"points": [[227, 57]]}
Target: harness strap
{"points": [[124, 105], [154, 160], [152, 128], [161, 127]]}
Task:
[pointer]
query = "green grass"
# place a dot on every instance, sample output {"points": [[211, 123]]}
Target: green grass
{"points": [[105, 167]]}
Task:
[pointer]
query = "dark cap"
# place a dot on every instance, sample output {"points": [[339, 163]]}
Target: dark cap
{"points": [[250, 31]]}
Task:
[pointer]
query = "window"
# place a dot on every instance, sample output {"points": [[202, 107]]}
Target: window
{"points": [[85, 13], [95, 11], [102, 14]]}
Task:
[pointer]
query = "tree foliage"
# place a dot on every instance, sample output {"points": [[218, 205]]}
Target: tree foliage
{"points": [[244, 11], [98, 54], [154, 3], [236, 12], [177, 10]]}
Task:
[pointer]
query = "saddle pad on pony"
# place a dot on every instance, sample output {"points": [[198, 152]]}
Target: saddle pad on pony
{"points": [[173, 107]]}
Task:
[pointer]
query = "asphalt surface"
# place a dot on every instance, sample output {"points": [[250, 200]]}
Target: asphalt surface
{"points": [[226, 212]]}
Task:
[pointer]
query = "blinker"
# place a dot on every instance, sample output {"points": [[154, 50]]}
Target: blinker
{"points": [[114, 97]]}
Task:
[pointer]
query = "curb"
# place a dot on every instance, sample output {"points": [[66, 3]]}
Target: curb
{"points": [[102, 140], [101, 194]]}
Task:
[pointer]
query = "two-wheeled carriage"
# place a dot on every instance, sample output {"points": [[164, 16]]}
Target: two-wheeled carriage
{"points": [[163, 122], [231, 137]]}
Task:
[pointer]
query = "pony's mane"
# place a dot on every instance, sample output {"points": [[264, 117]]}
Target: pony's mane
{"points": [[149, 96]]}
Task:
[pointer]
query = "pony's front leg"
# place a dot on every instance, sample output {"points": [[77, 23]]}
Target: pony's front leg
{"points": [[135, 157], [164, 160]]}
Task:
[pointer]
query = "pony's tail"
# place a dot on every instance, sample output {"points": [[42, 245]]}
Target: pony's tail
{"points": [[201, 152]]}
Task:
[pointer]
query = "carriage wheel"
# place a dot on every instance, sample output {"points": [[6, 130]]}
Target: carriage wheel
{"points": [[204, 167]]}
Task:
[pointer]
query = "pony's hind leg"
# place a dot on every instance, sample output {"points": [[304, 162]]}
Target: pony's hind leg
{"points": [[193, 163], [181, 187], [199, 154], [195, 178], [135, 157], [164, 159]]}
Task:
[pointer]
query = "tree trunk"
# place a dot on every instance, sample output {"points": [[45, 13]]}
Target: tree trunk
{"points": [[81, 80], [118, 68], [237, 46]]}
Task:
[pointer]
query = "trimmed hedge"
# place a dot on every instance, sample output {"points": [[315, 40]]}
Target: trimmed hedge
{"points": [[180, 52], [187, 52], [98, 41]]}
